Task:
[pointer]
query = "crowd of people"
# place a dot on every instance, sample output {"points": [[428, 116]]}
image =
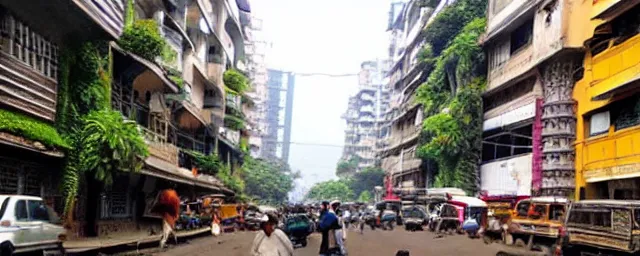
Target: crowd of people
{"points": [[331, 221]]}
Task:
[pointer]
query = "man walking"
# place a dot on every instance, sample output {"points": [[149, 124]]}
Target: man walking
{"points": [[271, 241], [327, 225], [341, 233]]}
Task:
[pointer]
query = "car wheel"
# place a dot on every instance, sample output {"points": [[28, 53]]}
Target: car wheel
{"points": [[546, 250], [520, 243], [6, 249]]}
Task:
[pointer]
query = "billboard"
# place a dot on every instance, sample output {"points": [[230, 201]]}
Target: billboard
{"points": [[507, 177]]}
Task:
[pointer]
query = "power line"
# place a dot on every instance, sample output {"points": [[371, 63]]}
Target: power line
{"points": [[325, 74]]}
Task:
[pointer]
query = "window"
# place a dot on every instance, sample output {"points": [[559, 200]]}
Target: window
{"points": [[601, 218], [522, 36], [556, 212], [628, 113], [599, 123], [21, 210], [523, 208], [3, 209], [538, 211], [38, 211]]}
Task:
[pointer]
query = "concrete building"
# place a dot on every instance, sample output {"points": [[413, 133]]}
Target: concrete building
{"points": [[279, 111], [404, 116], [607, 129], [363, 116], [533, 50], [256, 50]]}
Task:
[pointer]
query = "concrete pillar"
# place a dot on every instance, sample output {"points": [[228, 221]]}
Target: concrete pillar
{"points": [[558, 127]]}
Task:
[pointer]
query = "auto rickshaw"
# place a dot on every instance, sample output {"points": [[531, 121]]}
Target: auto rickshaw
{"points": [[472, 213], [602, 227], [536, 223], [228, 217]]}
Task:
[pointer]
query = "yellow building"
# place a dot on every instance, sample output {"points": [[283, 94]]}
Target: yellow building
{"points": [[608, 104]]}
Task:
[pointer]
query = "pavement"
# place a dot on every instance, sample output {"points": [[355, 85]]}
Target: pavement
{"points": [[374, 243]]}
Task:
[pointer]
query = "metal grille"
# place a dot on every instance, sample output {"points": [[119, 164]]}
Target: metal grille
{"points": [[629, 114], [8, 180], [32, 181]]}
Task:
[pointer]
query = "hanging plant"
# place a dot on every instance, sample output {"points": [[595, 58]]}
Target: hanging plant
{"points": [[233, 123], [235, 81], [111, 144], [143, 38]]}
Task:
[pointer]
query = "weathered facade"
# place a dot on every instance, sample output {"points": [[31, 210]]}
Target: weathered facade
{"points": [[398, 152], [33, 38], [533, 49], [204, 38], [607, 110]]}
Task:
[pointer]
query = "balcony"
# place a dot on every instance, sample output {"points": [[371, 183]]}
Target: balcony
{"points": [[30, 69], [612, 69], [612, 157], [215, 73]]}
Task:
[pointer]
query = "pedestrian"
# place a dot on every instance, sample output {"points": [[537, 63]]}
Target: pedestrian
{"points": [[327, 225], [341, 233], [167, 206], [271, 241]]}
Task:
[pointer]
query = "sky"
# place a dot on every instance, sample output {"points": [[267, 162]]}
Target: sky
{"points": [[330, 36]]}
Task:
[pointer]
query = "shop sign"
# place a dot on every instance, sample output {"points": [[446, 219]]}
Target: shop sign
{"points": [[611, 173]]}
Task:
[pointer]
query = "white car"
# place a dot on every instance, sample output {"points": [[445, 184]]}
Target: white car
{"points": [[26, 225]]}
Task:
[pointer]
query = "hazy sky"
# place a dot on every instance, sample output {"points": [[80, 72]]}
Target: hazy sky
{"points": [[330, 36]]}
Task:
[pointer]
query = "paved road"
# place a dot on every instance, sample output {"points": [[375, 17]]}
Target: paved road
{"points": [[374, 243]]}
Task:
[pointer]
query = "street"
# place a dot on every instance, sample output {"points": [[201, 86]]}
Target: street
{"points": [[383, 243]]}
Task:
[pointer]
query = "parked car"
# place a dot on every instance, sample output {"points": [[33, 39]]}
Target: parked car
{"points": [[28, 225], [602, 227]]}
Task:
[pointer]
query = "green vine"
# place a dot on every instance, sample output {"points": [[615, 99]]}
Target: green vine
{"points": [[233, 122], [452, 100], [86, 122], [244, 144], [130, 14], [143, 38], [451, 20], [235, 81]]}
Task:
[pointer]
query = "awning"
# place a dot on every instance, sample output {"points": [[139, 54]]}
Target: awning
{"points": [[149, 65], [629, 85], [609, 10], [161, 169]]}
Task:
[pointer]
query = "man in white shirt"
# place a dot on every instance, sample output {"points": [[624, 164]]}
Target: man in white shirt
{"points": [[341, 234], [271, 241]]}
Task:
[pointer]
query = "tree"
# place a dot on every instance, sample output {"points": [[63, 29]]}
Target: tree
{"points": [[267, 181], [365, 196], [348, 167], [366, 180], [330, 190]]}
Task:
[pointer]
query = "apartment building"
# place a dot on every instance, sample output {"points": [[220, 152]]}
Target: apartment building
{"points": [[607, 96], [279, 114], [533, 50], [363, 117], [178, 100], [398, 154]]}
